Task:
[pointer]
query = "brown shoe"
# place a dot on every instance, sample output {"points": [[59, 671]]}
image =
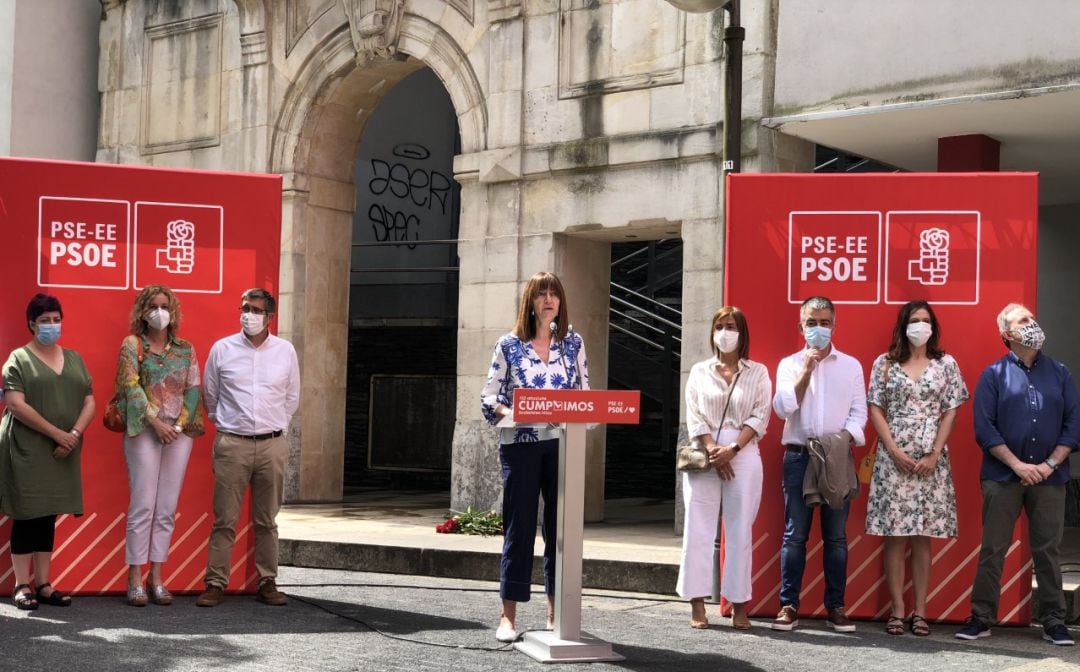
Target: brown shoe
{"points": [[739, 619], [838, 621], [269, 594], [211, 597], [787, 619]]}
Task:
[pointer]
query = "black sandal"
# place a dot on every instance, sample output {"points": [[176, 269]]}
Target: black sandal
{"points": [[894, 626], [55, 598], [24, 601], [919, 626]]}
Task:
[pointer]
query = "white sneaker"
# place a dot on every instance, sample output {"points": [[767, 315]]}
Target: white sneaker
{"points": [[507, 634]]}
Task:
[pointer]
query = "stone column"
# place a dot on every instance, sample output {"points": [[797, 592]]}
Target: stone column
{"points": [[584, 266], [290, 319], [255, 122]]}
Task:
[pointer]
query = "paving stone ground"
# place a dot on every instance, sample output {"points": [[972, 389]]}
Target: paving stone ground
{"points": [[438, 624]]}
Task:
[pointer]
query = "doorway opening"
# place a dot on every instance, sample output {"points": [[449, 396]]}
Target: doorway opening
{"points": [[403, 294]]}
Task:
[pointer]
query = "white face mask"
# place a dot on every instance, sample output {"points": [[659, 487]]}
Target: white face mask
{"points": [[252, 324], [918, 333], [158, 318], [725, 341]]}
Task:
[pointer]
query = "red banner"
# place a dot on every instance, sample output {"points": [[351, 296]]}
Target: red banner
{"points": [[611, 407], [964, 242], [93, 234]]}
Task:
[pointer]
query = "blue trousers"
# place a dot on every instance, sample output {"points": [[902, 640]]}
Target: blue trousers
{"points": [[529, 471], [798, 517]]}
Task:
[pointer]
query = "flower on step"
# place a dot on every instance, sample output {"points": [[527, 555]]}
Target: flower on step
{"points": [[471, 521]]}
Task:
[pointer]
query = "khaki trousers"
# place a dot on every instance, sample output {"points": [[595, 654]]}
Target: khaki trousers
{"points": [[237, 463], [1045, 507]]}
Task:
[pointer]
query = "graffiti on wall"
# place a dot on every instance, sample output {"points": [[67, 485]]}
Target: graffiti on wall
{"points": [[402, 195]]}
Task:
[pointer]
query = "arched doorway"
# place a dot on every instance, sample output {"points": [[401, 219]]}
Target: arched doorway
{"points": [[403, 293], [315, 144]]}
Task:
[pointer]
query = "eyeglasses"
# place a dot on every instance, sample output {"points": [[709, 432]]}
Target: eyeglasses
{"points": [[252, 310]]}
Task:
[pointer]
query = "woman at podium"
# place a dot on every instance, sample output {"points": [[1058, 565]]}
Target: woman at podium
{"points": [[728, 402], [542, 352]]}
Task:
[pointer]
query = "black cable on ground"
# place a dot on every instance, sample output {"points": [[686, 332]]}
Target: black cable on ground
{"points": [[462, 647]]}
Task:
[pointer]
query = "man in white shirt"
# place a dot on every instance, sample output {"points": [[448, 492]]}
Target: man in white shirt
{"points": [[252, 388], [819, 391]]}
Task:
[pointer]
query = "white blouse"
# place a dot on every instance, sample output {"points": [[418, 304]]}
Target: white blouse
{"points": [[516, 364], [707, 392]]}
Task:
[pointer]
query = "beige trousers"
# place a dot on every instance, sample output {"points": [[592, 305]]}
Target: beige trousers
{"points": [[237, 463]]}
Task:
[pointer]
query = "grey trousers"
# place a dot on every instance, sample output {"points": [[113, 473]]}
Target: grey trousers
{"points": [[1045, 508]]}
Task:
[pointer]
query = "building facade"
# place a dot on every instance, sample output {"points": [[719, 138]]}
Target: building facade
{"points": [[579, 125], [48, 78]]}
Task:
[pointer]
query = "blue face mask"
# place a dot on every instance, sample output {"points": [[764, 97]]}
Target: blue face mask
{"points": [[48, 334], [818, 337]]}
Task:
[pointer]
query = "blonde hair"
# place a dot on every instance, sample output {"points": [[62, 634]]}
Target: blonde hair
{"points": [[144, 302]]}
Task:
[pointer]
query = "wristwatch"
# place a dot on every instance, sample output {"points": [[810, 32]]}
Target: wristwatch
{"points": [[76, 433], [1050, 463], [736, 447], [178, 428]]}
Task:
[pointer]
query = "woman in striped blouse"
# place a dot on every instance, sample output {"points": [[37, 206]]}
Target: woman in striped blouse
{"points": [[729, 382]]}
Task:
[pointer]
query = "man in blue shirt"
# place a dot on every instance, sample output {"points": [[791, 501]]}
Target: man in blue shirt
{"points": [[1027, 422]]}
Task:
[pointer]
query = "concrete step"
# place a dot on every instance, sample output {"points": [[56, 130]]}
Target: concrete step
{"points": [[621, 575]]}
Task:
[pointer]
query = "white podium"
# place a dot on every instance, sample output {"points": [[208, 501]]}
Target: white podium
{"points": [[567, 643]]}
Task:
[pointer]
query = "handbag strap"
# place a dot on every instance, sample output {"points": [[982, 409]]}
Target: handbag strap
{"points": [[140, 355], [731, 393]]}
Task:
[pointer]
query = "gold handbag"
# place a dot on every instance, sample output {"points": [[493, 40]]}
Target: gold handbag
{"points": [[866, 466], [694, 456]]}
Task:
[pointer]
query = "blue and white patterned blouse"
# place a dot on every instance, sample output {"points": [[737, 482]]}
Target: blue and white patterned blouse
{"points": [[516, 364]]}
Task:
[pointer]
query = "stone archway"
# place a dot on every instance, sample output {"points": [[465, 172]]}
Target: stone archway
{"points": [[314, 147]]}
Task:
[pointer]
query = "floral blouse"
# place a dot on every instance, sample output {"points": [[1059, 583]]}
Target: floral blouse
{"points": [[516, 364], [164, 386]]}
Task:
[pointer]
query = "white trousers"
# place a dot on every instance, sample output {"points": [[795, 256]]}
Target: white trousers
{"points": [[155, 476], [705, 495]]}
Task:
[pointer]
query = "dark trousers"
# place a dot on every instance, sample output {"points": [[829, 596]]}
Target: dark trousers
{"points": [[33, 535], [798, 517], [529, 471], [1045, 507]]}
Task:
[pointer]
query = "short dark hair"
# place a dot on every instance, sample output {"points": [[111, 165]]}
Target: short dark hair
{"points": [[260, 293], [816, 303], [41, 304], [900, 348]]}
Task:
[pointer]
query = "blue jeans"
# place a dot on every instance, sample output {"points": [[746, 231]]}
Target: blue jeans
{"points": [[798, 518], [529, 471]]}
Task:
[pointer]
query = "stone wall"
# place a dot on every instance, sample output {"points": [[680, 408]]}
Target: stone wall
{"points": [[840, 54], [580, 122]]}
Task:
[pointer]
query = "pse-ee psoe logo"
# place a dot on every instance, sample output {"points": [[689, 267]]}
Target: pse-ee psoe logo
{"points": [[89, 243], [915, 254]]}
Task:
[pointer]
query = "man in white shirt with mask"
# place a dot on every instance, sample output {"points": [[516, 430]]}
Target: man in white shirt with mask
{"points": [[252, 388], [819, 391]]}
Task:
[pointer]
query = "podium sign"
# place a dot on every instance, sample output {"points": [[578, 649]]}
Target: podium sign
{"points": [[567, 644], [611, 407]]}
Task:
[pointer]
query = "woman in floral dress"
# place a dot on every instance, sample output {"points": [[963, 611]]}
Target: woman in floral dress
{"points": [[541, 352], [915, 389]]}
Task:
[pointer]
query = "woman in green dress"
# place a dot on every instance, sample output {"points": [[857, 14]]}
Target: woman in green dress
{"points": [[49, 404]]}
